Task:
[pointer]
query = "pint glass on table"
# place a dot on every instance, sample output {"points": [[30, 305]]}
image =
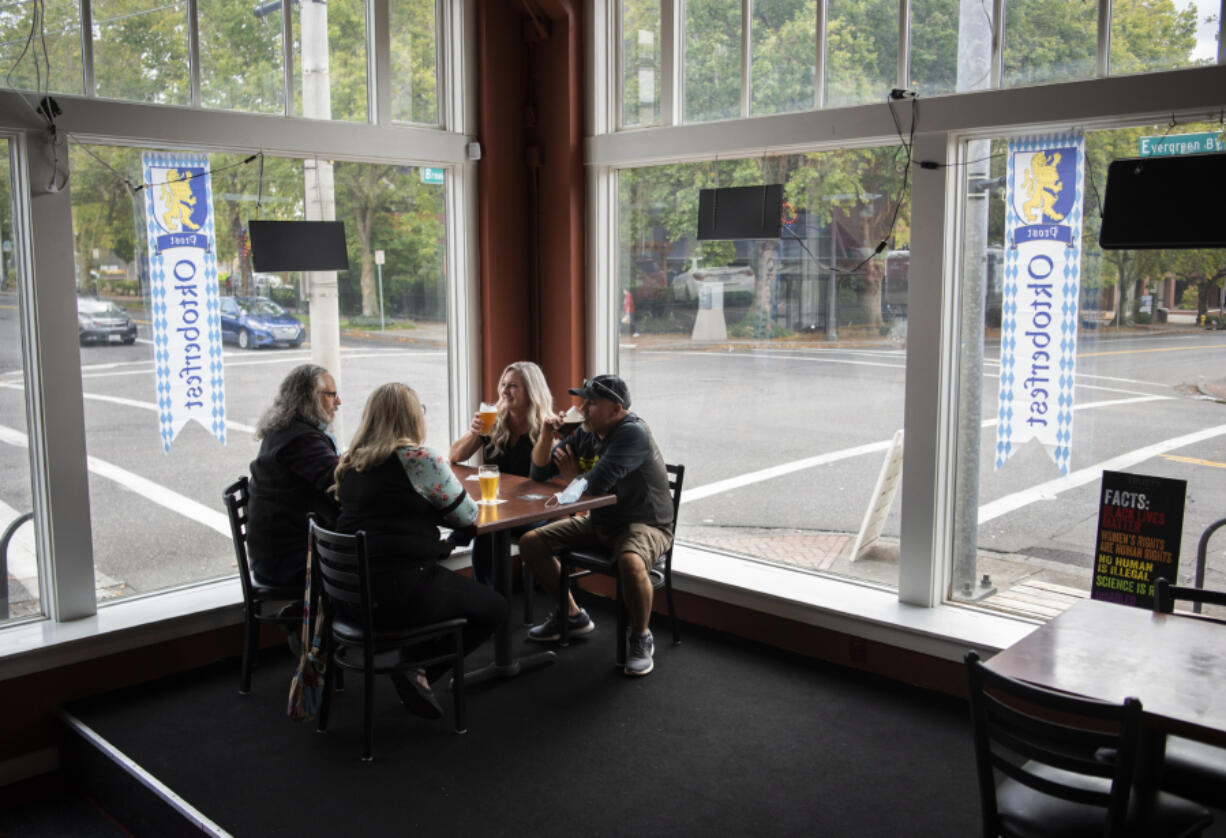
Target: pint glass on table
{"points": [[488, 477]]}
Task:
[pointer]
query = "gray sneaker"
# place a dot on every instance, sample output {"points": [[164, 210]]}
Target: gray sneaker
{"points": [[551, 629], [639, 652]]}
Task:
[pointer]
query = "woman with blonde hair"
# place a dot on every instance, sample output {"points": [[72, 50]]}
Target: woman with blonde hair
{"points": [[398, 492], [524, 405]]}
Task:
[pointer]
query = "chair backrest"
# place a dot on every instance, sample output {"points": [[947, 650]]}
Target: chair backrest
{"points": [[676, 478], [235, 497], [1165, 595], [1022, 731], [340, 569]]}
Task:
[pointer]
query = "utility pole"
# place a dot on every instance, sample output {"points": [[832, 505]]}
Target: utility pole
{"points": [[974, 72]]}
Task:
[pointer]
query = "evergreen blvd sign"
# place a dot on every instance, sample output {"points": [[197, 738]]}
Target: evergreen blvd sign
{"points": [[1176, 144]]}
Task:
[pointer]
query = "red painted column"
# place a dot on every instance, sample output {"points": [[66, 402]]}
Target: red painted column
{"points": [[531, 193]]}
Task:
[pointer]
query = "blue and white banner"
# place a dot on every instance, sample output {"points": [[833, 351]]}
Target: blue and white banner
{"points": [[1038, 341], [183, 287]]}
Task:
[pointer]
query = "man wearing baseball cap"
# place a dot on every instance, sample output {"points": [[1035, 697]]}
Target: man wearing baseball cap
{"points": [[615, 452]]}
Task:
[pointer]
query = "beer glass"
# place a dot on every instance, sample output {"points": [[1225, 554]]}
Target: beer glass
{"points": [[488, 477], [489, 413]]}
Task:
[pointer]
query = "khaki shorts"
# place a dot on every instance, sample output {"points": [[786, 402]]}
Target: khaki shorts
{"points": [[644, 540]]}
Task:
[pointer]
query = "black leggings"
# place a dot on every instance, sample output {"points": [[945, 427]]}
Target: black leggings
{"points": [[428, 593]]}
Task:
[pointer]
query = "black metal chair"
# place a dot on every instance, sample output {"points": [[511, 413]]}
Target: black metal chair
{"points": [[255, 595], [578, 563], [1192, 769], [1044, 743], [341, 571]]}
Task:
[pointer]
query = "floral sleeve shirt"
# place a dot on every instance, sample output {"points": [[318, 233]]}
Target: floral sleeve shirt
{"points": [[432, 478]]}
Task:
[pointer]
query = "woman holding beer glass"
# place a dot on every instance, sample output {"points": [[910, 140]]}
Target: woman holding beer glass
{"points": [[399, 492], [505, 434]]}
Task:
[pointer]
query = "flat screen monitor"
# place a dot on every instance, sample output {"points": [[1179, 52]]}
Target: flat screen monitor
{"points": [[1164, 202], [740, 212], [298, 246]]}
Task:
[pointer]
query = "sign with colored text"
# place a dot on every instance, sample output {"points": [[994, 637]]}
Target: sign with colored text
{"points": [[1171, 145], [1140, 526], [1042, 284], [432, 176], [184, 295]]}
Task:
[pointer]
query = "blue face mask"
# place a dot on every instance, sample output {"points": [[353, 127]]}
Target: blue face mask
{"points": [[570, 494]]}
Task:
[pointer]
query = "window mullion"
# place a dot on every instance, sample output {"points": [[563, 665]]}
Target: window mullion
{"points": [[193, 52], [904, 44], [746, 60], [670, 62], [379, 62], [87, 48], [287, 56], [819, 67], [1102, 59]]}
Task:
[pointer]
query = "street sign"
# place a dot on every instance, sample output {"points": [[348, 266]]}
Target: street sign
{"points": [[378, 257], [1176, 144], [432, 176]]}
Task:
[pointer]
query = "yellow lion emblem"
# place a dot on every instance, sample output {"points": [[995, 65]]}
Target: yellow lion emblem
{"points": [[1042, 185], [179, 200]]}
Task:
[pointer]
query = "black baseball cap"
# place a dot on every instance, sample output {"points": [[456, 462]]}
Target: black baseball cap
{"points": [[604, 387]]}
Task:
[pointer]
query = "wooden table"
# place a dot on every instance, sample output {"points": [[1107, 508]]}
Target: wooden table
{"points": [[1175, 664], [523, 502]]}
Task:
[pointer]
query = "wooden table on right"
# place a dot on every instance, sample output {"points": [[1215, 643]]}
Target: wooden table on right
{"points": [[1175, 664]]}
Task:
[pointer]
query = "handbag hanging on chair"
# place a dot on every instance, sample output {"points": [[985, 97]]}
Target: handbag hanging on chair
{"points": [[306, 689]]}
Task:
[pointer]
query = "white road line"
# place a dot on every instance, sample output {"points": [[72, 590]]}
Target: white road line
{"points": [[147, 489], [230, 425], [146, 367], [1049, 490], [749, 478]]}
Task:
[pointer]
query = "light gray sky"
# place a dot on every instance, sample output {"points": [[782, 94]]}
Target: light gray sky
{"points": [[1206, 43]]}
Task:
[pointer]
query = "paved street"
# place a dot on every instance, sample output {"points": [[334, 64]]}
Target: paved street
{"points": [[783, 444]]}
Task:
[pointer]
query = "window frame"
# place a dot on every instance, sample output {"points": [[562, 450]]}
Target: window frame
{"points": [[947, 122], [43, 221]]}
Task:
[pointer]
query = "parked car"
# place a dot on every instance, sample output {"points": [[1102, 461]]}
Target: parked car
{"points": [[733, 278], [102, 321], [258, 321]]}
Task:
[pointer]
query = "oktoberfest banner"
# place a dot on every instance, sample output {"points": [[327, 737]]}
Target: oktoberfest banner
{"points": [[1042, 282], [184, 295]]}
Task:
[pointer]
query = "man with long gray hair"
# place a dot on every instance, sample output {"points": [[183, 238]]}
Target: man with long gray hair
{"points": [[291, 475]]}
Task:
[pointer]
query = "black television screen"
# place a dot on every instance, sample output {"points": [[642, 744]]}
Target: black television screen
{"points": [[740, 212], [298, 246], [1164, 202]]}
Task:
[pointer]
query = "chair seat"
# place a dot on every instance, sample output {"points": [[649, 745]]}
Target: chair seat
{"points": [[349, 631], [604, 562], [1195, 770], [1027, 813]]}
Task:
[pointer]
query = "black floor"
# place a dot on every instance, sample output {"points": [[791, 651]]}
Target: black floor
{"points": [[724, 738]]}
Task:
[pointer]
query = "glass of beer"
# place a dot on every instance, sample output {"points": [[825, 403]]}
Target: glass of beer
{"points": [[488, 477], [488, 413]]}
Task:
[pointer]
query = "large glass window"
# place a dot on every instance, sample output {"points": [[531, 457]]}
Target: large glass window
{"points": [[241, 59], [1147, 359], [640, 62], [861, 51], [47, 59], [156, 517], [330, 61], [140, 51], [773, 369], [1153, 36], [1049, 40], [19, 576], [784, 56], [414, 45], [712, 60]]}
